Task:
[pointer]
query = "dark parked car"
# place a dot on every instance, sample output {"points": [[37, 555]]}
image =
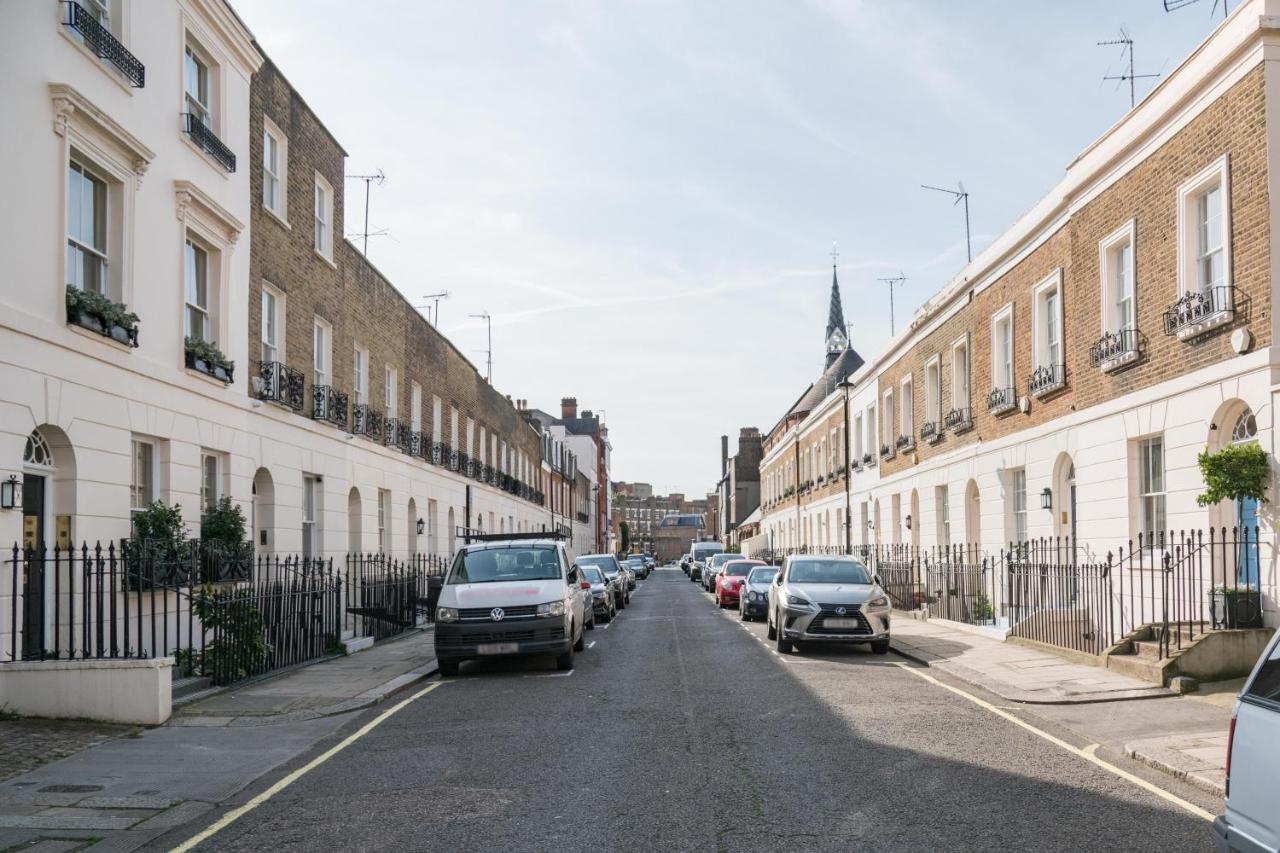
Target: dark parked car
{"points": [[638, 567], [613, 570], [753, 598], [603, 601]]}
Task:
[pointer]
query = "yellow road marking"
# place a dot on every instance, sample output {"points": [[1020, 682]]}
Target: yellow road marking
{"points": [[1089, 753], [240, 811]]}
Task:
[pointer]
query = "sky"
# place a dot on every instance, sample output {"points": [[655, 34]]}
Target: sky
{"points": [[644, 195]]}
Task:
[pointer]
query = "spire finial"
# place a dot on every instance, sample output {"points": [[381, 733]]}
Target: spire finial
{"points": [[835, 253]]}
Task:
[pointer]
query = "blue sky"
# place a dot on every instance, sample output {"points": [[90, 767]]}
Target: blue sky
{"points": [[644, 195]]}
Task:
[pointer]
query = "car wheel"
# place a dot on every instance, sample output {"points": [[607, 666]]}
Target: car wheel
{"points": [[580, 643], [772, 631], [880, 647], [742, 612], [448, 667], [564, 661], [784, 645], [591, 623]]}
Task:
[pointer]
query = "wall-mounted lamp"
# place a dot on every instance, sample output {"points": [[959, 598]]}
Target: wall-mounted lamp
{"points": [[422, 527], [10, 493], [1046, 498], [908, 521]]}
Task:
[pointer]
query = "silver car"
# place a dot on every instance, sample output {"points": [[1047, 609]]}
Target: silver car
{"points": [[1250, 822], [827, 599]]}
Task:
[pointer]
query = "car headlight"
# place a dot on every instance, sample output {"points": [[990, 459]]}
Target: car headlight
{"points": [[597, 594], [446, 614], [551, 608], [880, 602], [797, 601]]}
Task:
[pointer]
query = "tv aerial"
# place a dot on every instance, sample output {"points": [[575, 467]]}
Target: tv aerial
{"points": [[1127, 52]]}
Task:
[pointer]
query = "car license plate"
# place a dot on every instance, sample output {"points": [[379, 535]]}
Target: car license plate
{"points": [[497, 648], [838, 623]]}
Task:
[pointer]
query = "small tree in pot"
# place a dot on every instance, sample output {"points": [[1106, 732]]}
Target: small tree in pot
{"points": [[1239, 473]]}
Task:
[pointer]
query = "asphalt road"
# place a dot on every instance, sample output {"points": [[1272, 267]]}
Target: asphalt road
{"points": [[680, 730]]}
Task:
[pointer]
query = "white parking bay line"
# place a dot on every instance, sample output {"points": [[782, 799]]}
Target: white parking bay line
{"points": [[590, 644], [552, 674]]}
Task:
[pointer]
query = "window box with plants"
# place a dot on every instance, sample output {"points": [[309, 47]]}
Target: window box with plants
{"points": [[99, 314], [205, 357]]}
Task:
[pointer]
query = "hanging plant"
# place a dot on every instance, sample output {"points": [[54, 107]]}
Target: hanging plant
{"points": [[1236, 472]]}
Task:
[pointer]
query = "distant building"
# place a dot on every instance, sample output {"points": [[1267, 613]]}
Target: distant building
{"points": [[675, 533]]}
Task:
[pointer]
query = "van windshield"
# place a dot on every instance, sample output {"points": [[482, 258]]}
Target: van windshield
{"points": [[496, 565]]}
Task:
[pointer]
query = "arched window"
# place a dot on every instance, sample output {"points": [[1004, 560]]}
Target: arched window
{"points": [[1245, 429], [37, 452]]}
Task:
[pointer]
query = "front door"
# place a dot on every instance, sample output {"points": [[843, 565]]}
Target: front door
{"points": [[33, 566], [1247, 525]]}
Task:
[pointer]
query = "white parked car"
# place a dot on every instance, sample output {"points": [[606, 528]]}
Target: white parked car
{"points": [[1251, 823], [818, 599]]}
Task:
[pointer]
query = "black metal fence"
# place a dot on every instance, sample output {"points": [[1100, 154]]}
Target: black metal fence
{"points": [[222, 613], [1170, 586]]}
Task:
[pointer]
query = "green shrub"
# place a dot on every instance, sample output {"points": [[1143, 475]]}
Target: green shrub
{"points": [[224, 524], [109, 312], [160, 523], [208, 351], [1237, 471]]}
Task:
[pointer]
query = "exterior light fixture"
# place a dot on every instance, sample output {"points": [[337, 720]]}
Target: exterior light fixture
{"points": [[10, 492], [422, 527], [1046, 498], [908, 521]]}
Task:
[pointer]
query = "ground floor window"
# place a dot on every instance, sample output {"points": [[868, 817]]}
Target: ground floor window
{"points": [[1151, 494], [1018, 489]]}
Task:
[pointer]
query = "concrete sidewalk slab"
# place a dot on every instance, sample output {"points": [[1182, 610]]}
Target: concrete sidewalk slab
{"points": [[1199, 758], [1013, 672]]}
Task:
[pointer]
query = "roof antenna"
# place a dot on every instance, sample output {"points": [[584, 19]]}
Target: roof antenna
{"points": [[1128, 49], [897, 281], [378, 179], [1175, 5], [961, 195]]}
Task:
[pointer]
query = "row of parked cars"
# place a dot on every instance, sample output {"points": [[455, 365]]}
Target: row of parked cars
{"points": [[522, 594], [808, 599]]}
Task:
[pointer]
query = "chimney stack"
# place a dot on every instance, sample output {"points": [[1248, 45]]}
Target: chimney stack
{"points": [[724, 455], [568, 408]]}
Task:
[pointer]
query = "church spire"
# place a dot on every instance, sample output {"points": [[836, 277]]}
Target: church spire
{"points": [[837, 341]]}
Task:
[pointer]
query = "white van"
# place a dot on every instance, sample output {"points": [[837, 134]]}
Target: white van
{"points": [[699, 554], [512, 594], [1251, 823]]}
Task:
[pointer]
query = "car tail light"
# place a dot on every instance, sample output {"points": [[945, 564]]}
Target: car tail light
{"points": [[1231, 739]]}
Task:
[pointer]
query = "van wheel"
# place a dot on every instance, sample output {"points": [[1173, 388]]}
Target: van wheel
{"points": [[448, 667], [565, 661], [581, 642]]}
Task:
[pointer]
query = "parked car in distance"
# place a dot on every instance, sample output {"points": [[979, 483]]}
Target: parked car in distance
{"points": [[637, 566], [730, 580], [753, 597], [511, 597], [613, 570], [684, 563], [1251, 821], [713, 568], [827, 599], [602, 593]]}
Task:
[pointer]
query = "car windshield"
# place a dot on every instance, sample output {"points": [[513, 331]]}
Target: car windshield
{"points": [[738, 568], [828, 571], [721, 559], [593, 574], [607, 564], [496, 565], [764, 574]]}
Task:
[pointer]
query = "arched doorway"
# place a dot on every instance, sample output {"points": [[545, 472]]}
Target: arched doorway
{"points": [[48, 508], [355, 543], [411, 529], [972, 515], [1063, 504], [1244, 430], [264, 511]]}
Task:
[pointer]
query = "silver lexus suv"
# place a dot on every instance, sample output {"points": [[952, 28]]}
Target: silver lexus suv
{"points": [[827, 599]]}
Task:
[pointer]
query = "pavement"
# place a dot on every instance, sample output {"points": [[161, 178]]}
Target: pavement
{"points": [[129, 791], [681, 728]]}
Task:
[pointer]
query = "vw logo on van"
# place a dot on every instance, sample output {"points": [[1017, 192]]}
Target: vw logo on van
{"points": [[840, 611], [496, 614]]}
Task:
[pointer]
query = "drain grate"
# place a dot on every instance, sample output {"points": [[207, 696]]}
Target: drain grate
{"points": [[69, 789]]}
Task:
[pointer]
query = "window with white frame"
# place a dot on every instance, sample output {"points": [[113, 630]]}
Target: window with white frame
{"points": [[908, 406], [196, 286], [1151, 493], [1002, 349], [1204, 237], [1018, 503], [857, 437], [436, 410], [415, 407], [272, 324], [196, 84], [142, 487], [1047, 299], [886, 412], [360, 376], [1115, 258], [212, 471], [872, 448], [960, 374], [390, 392], [322, 351], [87, 253], [310, 516], [942, 510], [384, 515], [933, 391], [323, 241], [275, 169], [453, 427]]}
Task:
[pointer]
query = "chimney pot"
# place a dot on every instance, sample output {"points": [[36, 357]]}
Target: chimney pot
{"points": [[568, 407]]}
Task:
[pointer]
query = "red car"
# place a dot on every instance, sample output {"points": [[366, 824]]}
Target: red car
{"points": [[732, 577]]}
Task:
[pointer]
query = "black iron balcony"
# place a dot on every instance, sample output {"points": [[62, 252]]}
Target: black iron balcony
{"points": [[439, 452], [464, 464], [959, 420], [906, 443], [277, 382], [1047, 379], [931, 432], [367, 421], [1200, 312], [886, 451], [104, 45], [455, 459], [417, 447], [1002, 400], [856, 464], [486, 476], [869, 460], [328, 404], [1115, 350], [207, 141]]}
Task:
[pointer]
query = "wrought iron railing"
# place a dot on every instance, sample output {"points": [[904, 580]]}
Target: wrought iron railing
{"points": [[959, 420], [1046, 379], [886, 451], [455, 458], [905, 443], [439, 452], [1116, 349], [1001, 400], [416, 444], [367, 421], [277, 382], [1199, 311], [391, 428], [328, 404], [931, 431], [869, 460], [103, 43], [207, 141]]}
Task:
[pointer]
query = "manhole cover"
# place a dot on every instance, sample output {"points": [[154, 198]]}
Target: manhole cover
{"points": [[69, 789]]}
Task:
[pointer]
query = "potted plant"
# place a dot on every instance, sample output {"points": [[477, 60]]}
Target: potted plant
{"points": [[97, 313], [205, 357], [158, 552], [226, 552], [1238, 472]]}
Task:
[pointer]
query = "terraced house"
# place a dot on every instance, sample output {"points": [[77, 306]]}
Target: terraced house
{"points": [[1065, 381]]}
